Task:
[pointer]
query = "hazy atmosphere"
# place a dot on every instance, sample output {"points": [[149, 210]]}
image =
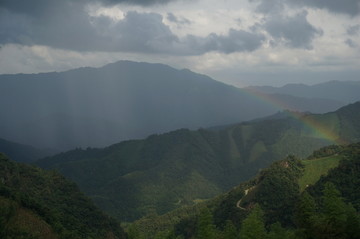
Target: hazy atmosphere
{"points": [[180, 119], [239, 42]]}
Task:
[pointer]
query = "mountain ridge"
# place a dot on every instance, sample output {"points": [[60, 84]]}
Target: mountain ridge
{"points": [[23, 153], [95, 107], [183, 166], [345, 91]]}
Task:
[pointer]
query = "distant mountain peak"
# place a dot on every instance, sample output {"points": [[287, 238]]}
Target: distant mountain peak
{"points": [[125, 100]]}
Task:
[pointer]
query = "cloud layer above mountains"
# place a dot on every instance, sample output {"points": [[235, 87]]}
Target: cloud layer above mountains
{"points": [[67, 25], [183, 31]]}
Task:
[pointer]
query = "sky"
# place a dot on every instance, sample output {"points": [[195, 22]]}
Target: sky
{"points": [[238, 42]]}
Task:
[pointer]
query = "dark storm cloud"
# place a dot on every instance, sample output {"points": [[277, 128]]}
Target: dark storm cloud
{"points": [[32, 7], [74, 29], [35, 7], [66, 25], [294, 31], [13, 28]]}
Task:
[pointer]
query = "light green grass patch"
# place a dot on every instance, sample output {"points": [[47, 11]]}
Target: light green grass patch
{"points": [[315, 168]]}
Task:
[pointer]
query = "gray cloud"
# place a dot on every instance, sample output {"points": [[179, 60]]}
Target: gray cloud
{"points": [[13, 27], [274, 6], [143, 32], [350, 7], [180, 21], [38, 7], [351, 43], [137, 2], [353, 30], [74, 29], [294, 31], [66, 25], [234, 41]]}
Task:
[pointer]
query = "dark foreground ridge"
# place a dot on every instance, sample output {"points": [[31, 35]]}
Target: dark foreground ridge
{"points": [[40, 204]]}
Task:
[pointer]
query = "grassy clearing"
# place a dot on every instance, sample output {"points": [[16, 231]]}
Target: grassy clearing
{"points": [[315, 168]]}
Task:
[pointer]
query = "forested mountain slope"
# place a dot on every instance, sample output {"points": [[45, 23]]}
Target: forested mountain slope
{"points": [[276, 204], [163, 172], [35, 203]]}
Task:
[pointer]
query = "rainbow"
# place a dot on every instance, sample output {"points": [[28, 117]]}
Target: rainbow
{"points": [[311, 124]]}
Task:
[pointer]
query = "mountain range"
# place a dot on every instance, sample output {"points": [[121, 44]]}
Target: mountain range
{"points": [[96, 107], [163, 172], [183, 183], [344, 91]]}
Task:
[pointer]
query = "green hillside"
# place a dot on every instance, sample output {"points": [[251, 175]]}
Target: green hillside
{"points": [[38, 204], [163, 172], [274, 205], [316, 168]]}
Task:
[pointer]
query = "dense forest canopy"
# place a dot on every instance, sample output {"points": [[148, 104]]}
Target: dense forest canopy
{"points": [[35, 203]]}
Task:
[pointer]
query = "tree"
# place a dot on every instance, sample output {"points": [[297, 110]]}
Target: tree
{"points": [[253, 226], [305, 213], [279, 190], [352, 226], [331, 223], [134, 232], [334, 207], [277, 231], [230, 231], [205, 227]]}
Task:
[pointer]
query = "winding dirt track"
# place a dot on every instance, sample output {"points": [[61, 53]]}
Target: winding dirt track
{"points": [[238, 202]]}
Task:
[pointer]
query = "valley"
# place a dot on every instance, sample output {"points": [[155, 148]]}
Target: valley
{"points": [[177, 119], [167, 171], [162, 185]]}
